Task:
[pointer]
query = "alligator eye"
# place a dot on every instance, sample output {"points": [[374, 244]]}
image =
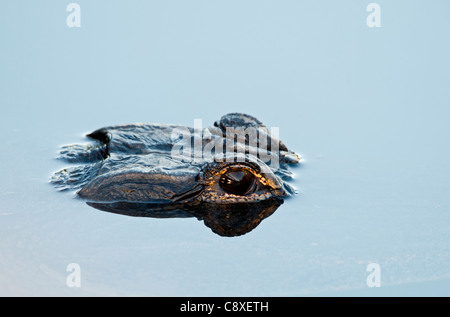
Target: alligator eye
{"points": [[239, 182]]}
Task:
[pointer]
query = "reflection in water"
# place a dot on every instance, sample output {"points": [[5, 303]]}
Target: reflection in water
{"points": [[226, 220]]}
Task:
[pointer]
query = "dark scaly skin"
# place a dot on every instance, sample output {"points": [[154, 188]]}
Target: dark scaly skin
{"points": [[129, 169]]}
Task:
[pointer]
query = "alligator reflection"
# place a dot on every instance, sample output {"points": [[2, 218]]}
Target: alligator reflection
{"points": [[226, 220]]}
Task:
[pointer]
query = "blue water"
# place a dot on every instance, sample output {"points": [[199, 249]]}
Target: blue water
{"points": [[367, 108]]}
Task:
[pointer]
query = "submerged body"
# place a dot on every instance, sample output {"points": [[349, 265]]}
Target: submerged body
{"points": [[170, 170]]}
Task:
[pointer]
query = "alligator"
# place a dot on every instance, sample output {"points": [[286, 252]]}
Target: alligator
{"points": [[231, 175]]}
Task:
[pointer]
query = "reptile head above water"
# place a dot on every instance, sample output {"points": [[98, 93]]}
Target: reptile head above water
{"points": [[235, 167]]}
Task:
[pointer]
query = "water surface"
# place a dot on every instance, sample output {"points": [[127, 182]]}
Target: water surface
{"points": [[367, 108]]}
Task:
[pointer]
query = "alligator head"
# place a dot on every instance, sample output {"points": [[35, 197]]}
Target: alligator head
{"points": [[231, 175]]}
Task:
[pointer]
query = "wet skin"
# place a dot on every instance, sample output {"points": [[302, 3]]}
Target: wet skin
{"points": [[132, 170]]}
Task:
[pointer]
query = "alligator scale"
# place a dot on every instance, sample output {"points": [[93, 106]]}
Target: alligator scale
{"points": [[231, 175]]}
